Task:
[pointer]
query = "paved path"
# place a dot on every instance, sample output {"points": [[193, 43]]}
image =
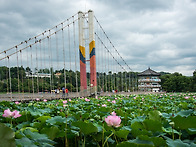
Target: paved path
{"points": [[31, 96]]}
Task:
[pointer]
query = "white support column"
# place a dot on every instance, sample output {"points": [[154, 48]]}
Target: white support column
{"points": [[93, 74], [83, 81]]}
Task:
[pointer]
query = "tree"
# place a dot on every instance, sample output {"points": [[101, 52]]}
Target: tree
{"points": [[194, 81], [175, 82]]}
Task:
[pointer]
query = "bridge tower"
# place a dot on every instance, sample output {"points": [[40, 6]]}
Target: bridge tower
{"points": [[83, 82], [93, 74]]}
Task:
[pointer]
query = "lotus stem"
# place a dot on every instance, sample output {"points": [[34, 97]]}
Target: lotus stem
{"points": [[107, 139]]}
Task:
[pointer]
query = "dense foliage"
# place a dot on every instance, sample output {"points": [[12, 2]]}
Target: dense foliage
{"points": [[178, 83], [21, 82], [122, 81], [146, 120]]}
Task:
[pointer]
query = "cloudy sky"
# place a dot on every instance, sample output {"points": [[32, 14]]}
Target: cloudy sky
{"points": [[147, 33]]}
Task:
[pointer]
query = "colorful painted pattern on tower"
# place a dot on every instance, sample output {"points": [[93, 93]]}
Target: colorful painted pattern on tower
{"points": [[82, 68], [93, 74]]}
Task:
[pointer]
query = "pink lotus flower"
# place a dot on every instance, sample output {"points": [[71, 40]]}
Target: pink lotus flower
{"points": [[104, 105], [114, 101], [37, 99], [16, 114], [17, 103], [69, 100], [186, 97], [65, 105], [8, 113], [64, 102], [45, 100], [108, 100], [87, 100], [113, 120]]}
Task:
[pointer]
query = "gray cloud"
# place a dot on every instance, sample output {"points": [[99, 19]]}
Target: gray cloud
{"points": [[157, 33]]}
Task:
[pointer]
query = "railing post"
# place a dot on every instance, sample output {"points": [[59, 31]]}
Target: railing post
{"points": [[83, 81], [93, 74]]}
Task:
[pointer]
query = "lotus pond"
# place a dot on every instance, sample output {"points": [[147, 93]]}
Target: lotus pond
{"points": [[117, 120]]}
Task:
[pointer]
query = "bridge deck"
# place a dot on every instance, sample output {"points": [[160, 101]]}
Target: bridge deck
{"points": [[51, 96]]}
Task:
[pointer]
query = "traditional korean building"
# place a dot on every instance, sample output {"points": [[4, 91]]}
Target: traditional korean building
{"points": [[149, 80]]}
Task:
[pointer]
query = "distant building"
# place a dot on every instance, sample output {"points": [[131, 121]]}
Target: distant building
{"points": [[58, 74], [149, 80], [40, 75]]}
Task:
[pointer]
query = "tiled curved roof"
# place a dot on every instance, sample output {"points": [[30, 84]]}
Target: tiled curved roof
{"points": [[149, 72]]}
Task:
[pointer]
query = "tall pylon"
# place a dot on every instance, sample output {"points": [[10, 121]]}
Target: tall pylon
{"points": [[93, 74], [83, 82]]}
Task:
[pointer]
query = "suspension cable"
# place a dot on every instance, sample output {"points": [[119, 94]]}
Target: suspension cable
{"points": [[37, 68], [10, 79], [18, 72], [44, 74], [7, 71], [28, 68], [110, 52], [69, 46], [64, 57], [41, 67], [38, 35], [36, 42], [112, 44], [74, 37], [22, 77], [32, 69]]}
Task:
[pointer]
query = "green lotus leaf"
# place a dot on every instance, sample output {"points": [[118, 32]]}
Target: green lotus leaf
{"points": [[136, 143], [176, 143], [34, 111], [43, 119], [38, 138], [122, 133], [185, 113], [58, 120], [184, 122], [128, 128], [30, 128], [155, 115], [25, 142], [138, 119], [169, 130], [192, 131], [127, 144], [50, 131], [157, 141], [154, 126], [85, 127], [104, 109], [99, 127], [137, 125], [23, 124], [6, 136]]}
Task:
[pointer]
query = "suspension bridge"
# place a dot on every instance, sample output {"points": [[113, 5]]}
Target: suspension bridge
{"points": [[76, 54]]}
